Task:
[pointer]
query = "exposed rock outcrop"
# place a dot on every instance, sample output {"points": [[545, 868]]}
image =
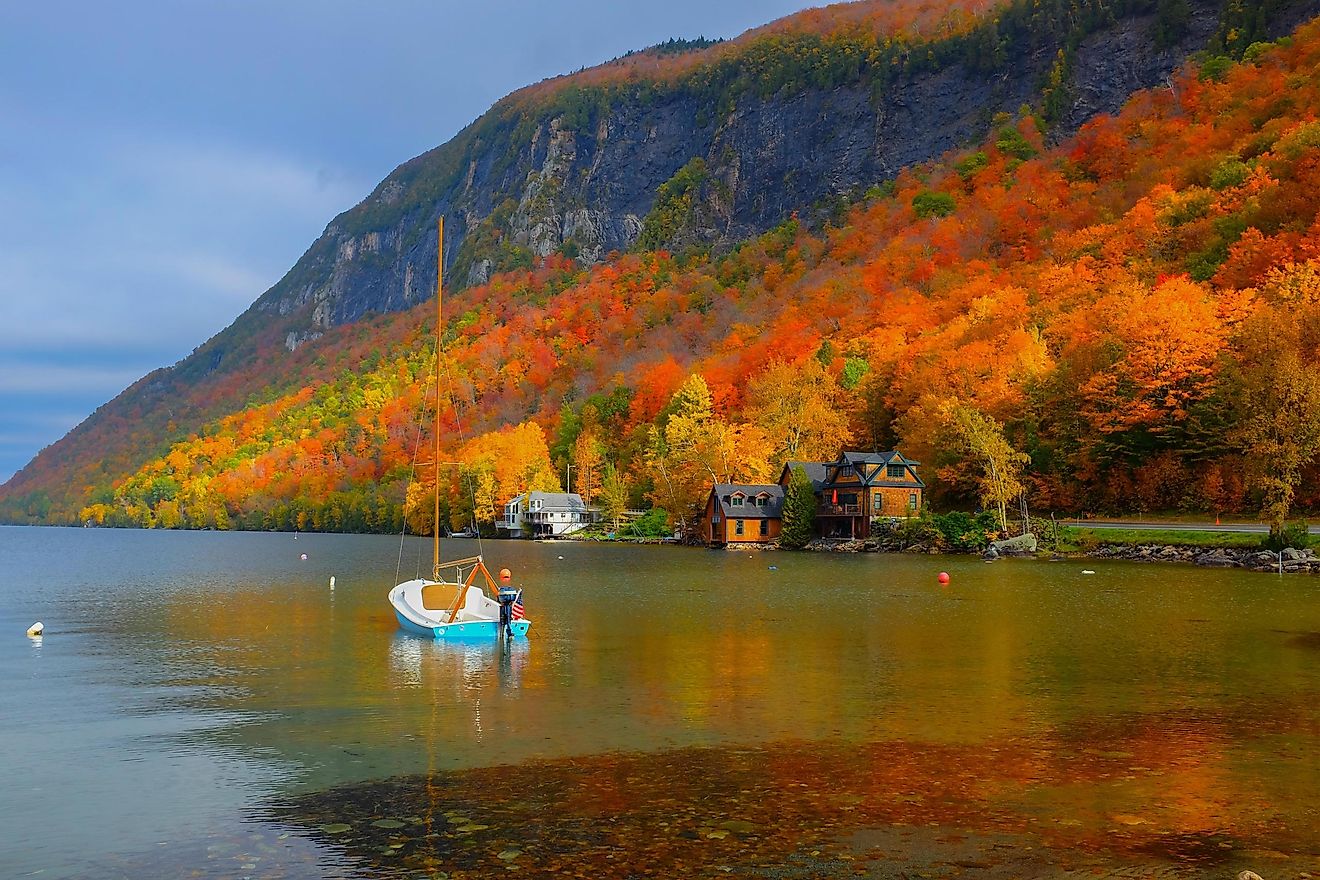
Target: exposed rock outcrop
{"points": [[516, 182]]}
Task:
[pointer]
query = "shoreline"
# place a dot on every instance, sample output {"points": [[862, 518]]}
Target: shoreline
{"points": [[1290, 561]]}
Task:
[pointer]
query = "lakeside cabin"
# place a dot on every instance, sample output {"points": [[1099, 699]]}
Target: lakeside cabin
{"points": [[545, 515], [852, 492], [743, 514], [859, 487]]}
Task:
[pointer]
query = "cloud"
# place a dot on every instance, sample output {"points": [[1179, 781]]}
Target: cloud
{"points": [[163, 237], [235, 173], [81, 379]]}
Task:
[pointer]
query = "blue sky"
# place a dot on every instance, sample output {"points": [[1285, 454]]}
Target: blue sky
{"points": [[162, 164]]}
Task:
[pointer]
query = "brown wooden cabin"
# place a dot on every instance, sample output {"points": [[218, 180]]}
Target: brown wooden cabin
{"points": [[743, 514], [858, 487]]}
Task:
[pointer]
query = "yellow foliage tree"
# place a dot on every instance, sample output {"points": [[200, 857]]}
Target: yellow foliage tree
{"points": [[798, 407], [500, 465]]}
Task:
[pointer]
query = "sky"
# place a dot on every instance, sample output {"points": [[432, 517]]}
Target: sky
{"points": [[164, 163]]}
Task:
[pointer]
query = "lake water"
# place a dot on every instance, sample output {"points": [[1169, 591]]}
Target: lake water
{"points": [[202, 704]]}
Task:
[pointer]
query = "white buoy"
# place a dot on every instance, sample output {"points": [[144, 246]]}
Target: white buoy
{"points": [[1087, 571], [36, 629], [303, 557], [332, 582], [561, 557]]}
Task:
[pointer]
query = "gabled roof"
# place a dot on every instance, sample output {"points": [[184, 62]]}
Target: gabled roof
{"points": [[815, 471], [865, 457], [892, 456], [557, 500], [859, 461], [774, 505]]}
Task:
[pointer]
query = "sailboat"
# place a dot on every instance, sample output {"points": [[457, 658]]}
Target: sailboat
{"points": [[466, 605]]}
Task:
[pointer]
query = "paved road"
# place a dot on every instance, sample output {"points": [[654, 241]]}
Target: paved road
{"points": [[1249, 528]]}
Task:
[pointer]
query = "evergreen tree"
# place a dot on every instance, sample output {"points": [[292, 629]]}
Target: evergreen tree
{"points": [[1171, 21], [799, 511]]}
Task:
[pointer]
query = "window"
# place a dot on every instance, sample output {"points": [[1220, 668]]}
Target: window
{"points": [[878, 502], [737, 501], [737, 527], [896, 471], [912, 501], [761, 500], [765, 527]]}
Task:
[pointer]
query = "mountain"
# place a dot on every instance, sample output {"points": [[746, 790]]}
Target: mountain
{"points": [[681, 150]]}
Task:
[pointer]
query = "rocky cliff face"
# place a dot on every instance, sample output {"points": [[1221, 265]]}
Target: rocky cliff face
{"points": [[515, 186]]}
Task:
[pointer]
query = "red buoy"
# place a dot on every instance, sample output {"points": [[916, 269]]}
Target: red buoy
{"points": [[944, 577]]}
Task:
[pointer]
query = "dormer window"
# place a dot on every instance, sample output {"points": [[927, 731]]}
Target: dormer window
{"points": [[736, 501], [762, 499]]}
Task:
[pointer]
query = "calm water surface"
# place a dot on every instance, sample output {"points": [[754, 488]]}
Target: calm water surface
{"points": [[195, 691]]}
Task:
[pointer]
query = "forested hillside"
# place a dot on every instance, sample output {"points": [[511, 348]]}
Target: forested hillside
{"points": [[690, 148], [1136, 309]]}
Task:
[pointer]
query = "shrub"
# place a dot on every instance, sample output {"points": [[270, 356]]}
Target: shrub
{"points": [[854, 370], [969, 165], [1229, 174], [652, 524], [1296, 536], [955, 530], [1256, 51], [933, 204], [966, 532], [1215, 68], [1010, 142]]}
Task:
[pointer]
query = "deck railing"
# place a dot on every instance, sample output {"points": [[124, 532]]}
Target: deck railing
{"points": [[840, 510]]}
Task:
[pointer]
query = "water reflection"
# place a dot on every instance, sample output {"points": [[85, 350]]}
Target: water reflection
{"points": [[1161, 704], [471, 665]]}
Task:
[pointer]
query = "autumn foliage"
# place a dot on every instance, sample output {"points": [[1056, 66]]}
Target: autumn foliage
{"points": [[1118, 304]]}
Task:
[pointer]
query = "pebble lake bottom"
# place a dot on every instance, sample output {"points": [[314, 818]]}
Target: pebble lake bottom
{"points": [[201, 704]]}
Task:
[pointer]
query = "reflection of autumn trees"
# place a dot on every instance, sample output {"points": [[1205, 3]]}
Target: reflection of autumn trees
{"points": [[1108, 302]]}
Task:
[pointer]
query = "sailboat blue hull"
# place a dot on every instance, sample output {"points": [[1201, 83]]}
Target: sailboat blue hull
{"points": [[471, 629]]}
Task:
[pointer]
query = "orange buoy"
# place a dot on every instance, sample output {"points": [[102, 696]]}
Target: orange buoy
{"points": [[944, 577], [505, 575]]}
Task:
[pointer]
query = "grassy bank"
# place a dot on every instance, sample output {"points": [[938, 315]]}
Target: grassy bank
{"points": [[1082, 538]]}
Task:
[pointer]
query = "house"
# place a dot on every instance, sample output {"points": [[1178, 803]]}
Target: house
{"points": [[545, 515], [851, 491], [858, 487], [743, 514]]}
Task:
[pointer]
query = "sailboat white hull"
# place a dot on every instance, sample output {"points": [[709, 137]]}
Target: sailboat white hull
{"points": [[424, 607]]}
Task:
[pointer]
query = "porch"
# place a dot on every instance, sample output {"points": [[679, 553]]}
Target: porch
{"points": [[843, 521]]}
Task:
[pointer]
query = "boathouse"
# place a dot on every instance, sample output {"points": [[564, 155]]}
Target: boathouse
{"points": [[743, 514]]}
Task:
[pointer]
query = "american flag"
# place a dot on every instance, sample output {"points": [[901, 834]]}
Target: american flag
{"points": [[517, 606]]}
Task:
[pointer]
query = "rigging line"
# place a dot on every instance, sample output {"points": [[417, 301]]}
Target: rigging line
{"points": [[412, 475], [462, 437]]}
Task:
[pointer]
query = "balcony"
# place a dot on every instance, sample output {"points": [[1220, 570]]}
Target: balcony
{"points": [[839, 510]]}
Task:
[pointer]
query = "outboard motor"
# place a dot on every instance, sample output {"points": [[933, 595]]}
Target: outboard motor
{"points": [[508, 595]]}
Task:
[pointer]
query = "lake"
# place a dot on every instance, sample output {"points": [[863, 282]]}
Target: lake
{"points": [[203, 704]]}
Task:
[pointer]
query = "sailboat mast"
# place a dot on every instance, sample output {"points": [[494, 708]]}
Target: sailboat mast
{"points": [[439, 317]]}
